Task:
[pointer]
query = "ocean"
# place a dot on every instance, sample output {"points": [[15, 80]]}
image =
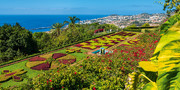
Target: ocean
{"points": [[40, 21]]}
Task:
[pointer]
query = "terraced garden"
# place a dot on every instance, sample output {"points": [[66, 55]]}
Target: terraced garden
{"points": [[76, 55], [38, 64]]}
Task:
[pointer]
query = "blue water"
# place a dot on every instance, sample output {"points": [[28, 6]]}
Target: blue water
{"points": [[37, 21]]}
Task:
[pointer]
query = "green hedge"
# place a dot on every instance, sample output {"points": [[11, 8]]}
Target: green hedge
{"points": [[11, 61], [150, 27], [133, 30]]}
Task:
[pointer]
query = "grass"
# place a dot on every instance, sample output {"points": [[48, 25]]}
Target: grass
{"points": [[79, 56], [21, 65], [32, 73]]}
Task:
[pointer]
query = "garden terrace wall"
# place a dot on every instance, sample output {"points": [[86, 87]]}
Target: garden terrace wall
{"points": [[29, 56]]}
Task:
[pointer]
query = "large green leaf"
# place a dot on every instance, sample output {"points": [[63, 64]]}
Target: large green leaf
{"points": [[150, 86], [170, 36], [168, 67], [167, 56]]}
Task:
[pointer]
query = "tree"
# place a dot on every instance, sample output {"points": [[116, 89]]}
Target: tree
{"points": [[57, 28], [172, 5], [14, 41], [44, 40], [73, 21]]}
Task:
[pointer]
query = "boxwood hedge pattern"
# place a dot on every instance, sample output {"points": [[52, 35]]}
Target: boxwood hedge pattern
{"points": [[36, 64], [105, 41], [6, 76]]}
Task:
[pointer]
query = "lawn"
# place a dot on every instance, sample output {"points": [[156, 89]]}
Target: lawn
{"points": [[32, 73]]}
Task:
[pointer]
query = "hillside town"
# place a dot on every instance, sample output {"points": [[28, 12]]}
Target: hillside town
{"points": [[124, 21]]}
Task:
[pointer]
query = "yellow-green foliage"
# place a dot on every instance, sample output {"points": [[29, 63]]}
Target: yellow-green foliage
{"points": [[54, 65], [32, 64], [67, 57], [166, 61], [3, 77], [46, 56]]}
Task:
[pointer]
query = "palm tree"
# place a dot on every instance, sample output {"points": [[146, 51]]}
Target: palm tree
{"points": [[73, 20], [57, 27]]}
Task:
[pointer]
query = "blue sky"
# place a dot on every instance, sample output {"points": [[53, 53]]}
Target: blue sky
{"points": [[77, 7]]}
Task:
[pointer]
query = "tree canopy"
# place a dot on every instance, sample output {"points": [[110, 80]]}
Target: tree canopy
{"points": [[172, 5], [15, 41]]}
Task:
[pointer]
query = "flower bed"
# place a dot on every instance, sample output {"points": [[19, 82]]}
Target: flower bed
{"points": [[58, 55], [5, 71], [6, 76], [17, 78], [105, 41], [50, 63], [43, 66], [107, 72], [73, 50], [37, 58]]}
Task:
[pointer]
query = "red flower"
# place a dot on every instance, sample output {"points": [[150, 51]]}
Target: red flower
{"points": [[156, 41], [81, 66], [109, 68], [135, 54], [128, 59], [145, 60], [110, 60], [62, 87], [151, 49], [102, 61], [50, 80], [121, 51], [75, 73], [150, 45], [94, 88], [122, 68], [126, 51], [47, 81], [131, 68], [57, 71]]}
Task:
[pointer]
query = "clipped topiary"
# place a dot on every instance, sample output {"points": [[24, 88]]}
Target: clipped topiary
{"points": [[50, 63], [5, 71], [17, 78], [5, 77]]}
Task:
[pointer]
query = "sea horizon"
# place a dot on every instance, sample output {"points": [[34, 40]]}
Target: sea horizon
{"points": [[31, 22], [39, 21]]}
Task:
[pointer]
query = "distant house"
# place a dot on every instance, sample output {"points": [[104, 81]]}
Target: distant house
{"points": [[99, 30]]}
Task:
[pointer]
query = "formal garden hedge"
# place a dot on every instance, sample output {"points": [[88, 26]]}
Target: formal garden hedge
{"points": [[29, 56], [109, 71]]}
